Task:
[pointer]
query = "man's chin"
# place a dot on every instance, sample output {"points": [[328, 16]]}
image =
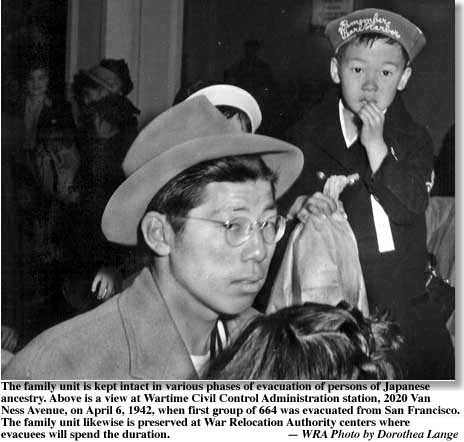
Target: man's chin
{"points": [[241, 303]]}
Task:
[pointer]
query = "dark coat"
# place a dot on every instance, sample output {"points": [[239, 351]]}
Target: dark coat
{"points": [[394, 280]]}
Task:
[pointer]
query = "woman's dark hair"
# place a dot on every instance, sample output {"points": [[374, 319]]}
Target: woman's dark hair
{"points": [[115, 109], [35, 64], [311, 341], [80, 83], [121, 69], [368, 39], [186, 190]]}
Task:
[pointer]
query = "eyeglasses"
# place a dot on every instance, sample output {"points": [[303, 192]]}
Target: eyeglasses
{"points": [[239, 230]]}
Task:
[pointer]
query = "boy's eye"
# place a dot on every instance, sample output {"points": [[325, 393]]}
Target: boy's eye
{"points": [[356, 69], [386, 73]]}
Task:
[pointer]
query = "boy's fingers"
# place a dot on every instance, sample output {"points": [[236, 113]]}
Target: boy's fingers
{"points": [[373, 112], [297, 206], [364, 116], [353, 178], [321, 204]]}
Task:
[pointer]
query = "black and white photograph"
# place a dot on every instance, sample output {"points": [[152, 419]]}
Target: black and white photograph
{"points": [[203, 190]]}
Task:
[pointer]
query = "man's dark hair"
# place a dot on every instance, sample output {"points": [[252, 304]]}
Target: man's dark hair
{"points": [[368, 39], [231, 111], [186, 190]]}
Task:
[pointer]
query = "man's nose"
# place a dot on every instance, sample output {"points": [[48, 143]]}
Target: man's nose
{"points": [[255, 248], [370, 82]]}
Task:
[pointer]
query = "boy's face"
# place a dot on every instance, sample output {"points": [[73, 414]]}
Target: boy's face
{"points": [[370, 74]]}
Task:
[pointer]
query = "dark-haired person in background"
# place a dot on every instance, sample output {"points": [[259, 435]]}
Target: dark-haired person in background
{"points": [[311, 341]]}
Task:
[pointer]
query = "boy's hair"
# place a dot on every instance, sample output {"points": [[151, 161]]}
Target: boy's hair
{"points": [[368, 39], [186, 190], [311, 341]]}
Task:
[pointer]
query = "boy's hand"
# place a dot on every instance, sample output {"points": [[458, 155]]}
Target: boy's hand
{"points": [[318, 204], [371, 134]]}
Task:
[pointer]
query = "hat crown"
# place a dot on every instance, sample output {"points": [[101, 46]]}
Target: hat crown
{"points": [[380, 21], [195, 118], [185, 135]]}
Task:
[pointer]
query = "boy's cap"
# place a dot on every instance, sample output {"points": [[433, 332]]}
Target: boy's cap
{"points": [[346, 28], [229, 95], [187, 134]]}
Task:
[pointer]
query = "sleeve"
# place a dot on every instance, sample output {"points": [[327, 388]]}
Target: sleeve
{"points": [[400, 182]]}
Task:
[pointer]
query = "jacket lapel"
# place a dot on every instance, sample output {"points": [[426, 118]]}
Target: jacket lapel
{"points": [[156, 348], [398, 123], [329, 137]]}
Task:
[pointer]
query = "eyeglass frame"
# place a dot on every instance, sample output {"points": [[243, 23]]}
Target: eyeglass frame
{"points": [[257, 225]]}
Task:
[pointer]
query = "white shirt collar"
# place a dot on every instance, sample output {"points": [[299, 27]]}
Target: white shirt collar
{"points": [[348, 141]]}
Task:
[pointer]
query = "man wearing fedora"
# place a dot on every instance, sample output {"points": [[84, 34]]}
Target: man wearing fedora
{"points": [[201, 196]]}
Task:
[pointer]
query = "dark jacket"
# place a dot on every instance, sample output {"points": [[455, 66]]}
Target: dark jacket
{"points": [[399, 186], [394, 280]]}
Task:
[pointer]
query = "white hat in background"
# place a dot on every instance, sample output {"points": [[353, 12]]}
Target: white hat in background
{"points": [[228, 95]]}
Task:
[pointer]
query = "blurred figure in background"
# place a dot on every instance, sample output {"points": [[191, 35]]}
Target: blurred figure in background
{"points": [[109, 77], [35, 169], [254, 75], [109, 139]]}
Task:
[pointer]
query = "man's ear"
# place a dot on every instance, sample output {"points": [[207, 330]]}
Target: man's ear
{"points": [[156, 232], [334, 70], [404, 78]]}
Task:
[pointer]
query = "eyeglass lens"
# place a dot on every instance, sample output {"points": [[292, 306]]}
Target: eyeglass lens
{"points": [[240, 229]]}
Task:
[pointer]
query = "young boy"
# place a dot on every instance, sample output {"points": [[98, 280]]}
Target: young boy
{"points": [[363, 127]]}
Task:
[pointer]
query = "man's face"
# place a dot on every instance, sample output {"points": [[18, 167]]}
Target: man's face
{"points": [[213, 276], [370, 74]]}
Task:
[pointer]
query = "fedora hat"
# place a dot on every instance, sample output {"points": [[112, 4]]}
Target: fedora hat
{"points": [[229, 95], [186, 134]]}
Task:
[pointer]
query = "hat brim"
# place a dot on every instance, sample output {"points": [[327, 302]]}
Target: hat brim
{"points": [[100, 81], [129, 202]]}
